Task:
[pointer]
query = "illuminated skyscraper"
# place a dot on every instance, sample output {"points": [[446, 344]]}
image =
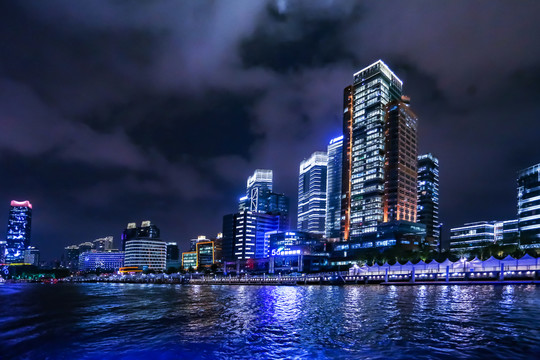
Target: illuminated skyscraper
{"points": [[312, 193], [400, 173], [428, 197], [529, 207], [259, 187], [333, 188], [365, 105], [18, 231]]}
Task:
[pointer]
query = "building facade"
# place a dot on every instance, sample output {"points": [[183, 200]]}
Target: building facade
{"points": [[529, 207], [312, 184], [363, 178], [147, 230], [472, 236], [104, 244], [333, 189], [148, 254], [107, 261], [18, 231], [189, 260], [400, 167], [428, 197]]}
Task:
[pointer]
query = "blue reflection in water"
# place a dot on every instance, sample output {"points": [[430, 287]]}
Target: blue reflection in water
{"points": [[130, 321]]}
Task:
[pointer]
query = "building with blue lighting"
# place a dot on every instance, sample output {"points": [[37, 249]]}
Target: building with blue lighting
{"points": [[312, 193], [428, 198], [529, 207], [333, 189], [296, 251], [260, 210], [147, 230], [18, 231], [363, 179], [472, 236], [106, 261]]}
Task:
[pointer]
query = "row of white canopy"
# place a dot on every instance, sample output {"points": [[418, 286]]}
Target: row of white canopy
{"points": [[526, 262]]}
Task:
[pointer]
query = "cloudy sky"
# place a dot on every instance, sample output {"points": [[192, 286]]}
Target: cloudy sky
{"points": [[121, 111]]}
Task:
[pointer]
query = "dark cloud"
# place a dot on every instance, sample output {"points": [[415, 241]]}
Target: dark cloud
{"points": [[116, 111]]}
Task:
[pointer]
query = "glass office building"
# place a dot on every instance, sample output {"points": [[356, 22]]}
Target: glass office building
{"points": [[364, 148], [529, 207], [428, 197], [333, 188], [205, 253], [472, 236], [18, 231], [312, 193], [400, 170]]}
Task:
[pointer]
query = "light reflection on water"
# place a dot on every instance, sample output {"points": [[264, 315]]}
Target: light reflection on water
{"points": [[126, 321]]}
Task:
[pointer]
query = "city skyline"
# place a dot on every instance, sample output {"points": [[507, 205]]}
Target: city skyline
{"points": [[174, 144]]}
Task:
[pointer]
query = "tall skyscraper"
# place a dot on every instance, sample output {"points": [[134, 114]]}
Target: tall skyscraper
{"points": [[312, 193], [400, 167], [18, 231], [259, 186], [104, 244], [365, 105], [428, 197], [261, 210], [147, 230], [333, 188], [528, 207]]}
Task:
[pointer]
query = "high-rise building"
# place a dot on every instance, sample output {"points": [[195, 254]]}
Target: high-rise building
{"points": [[249, 234], [18, 231], [147, 230], [173, 256], [529, 207], [428, 197], [365, 105], [400, 167], [312, 193], [148, 254], [261, 210], [259, 186], [104, 244], [193, 242], [31, 256], [333, 188]]}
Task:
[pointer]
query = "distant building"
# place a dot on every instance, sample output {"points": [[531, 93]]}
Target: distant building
{"points": [[193, 242], [103, 244], [18, 231], [296, 251], [31, 256], [259, 187], [510, 232], [147, 230], [189, 260], [312, 193], [529, 207], [333, 189], [148, 254], [2, 252], [205, 254], [261, 210], [106, 261], [428, 197], [472, 236], [173, 256]]}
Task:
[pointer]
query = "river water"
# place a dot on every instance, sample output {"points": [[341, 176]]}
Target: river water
{"points": [[141, 321]]}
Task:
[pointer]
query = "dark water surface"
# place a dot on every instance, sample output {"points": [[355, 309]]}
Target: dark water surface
{"points": [[132, 321]]}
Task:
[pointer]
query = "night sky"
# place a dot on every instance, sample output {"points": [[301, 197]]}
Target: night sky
{"points": [[121, 111]]}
